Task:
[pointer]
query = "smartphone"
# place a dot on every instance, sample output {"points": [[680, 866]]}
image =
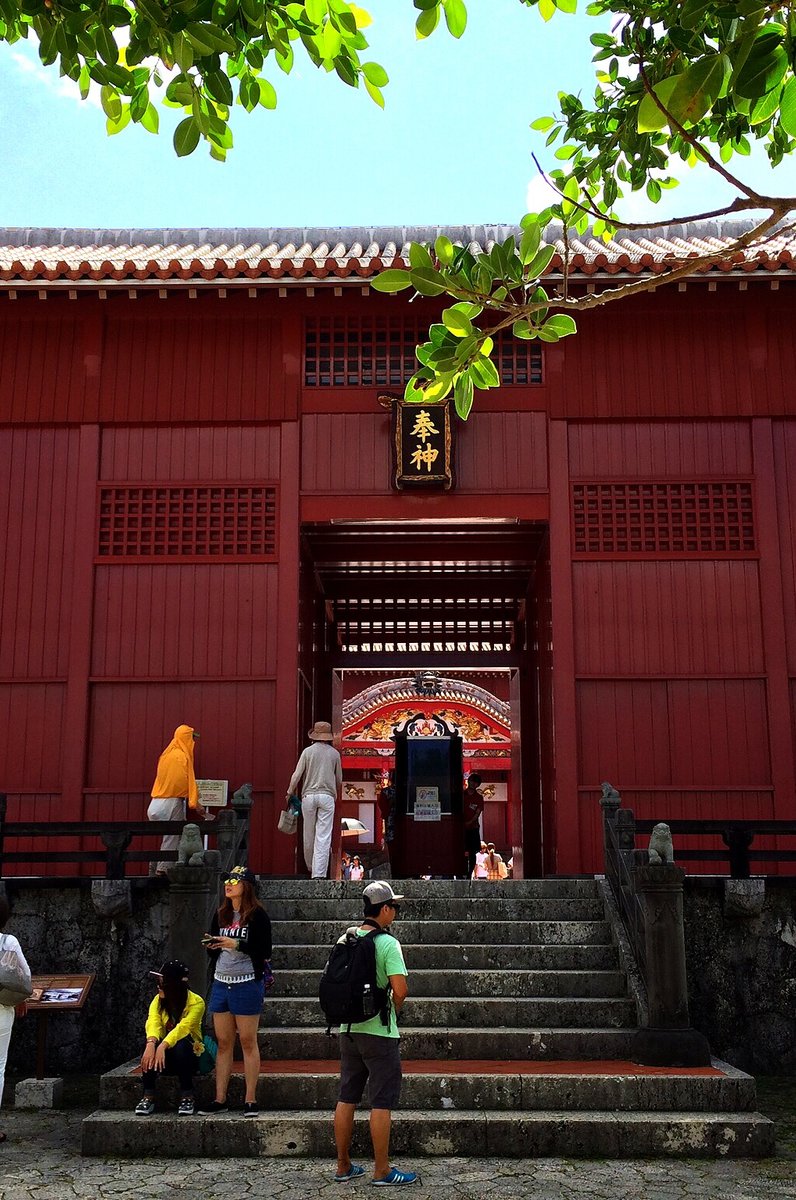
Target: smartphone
{"points": [[207, 938]]}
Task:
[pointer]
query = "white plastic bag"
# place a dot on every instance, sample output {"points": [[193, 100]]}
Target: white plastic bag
{"points": [[15, 981]]}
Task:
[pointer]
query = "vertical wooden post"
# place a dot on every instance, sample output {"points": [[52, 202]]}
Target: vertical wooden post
{"points": [[780, 730], [565, 750], [81, 611], [280, 849]]}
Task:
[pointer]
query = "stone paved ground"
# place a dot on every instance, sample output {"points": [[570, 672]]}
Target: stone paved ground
{"points": [[41, 1161]]}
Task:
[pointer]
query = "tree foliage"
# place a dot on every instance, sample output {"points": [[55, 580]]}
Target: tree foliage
{"points": [[678, 82], [694, 82]]}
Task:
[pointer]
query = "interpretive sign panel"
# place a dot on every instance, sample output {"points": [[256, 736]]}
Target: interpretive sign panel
{"points": [[51, 992], [213, 792], [427, 804]]}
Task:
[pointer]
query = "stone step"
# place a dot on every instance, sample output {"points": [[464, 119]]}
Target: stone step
{"points": [[457, 957], [511, 888], [477, 931], [527, 1087], [445, 982], [419, 1133], [490, 1013], [442, 908], [505, 1045]]}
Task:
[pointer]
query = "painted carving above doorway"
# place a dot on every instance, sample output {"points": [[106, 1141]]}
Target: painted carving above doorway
{"points": [[482, 719]]}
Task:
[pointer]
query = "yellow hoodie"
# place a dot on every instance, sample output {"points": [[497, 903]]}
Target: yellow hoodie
{"points": [[175, 778]]}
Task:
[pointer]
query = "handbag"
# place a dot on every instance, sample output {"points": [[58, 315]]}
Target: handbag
{"points": [[207, 1059], [288, 821], [15, 981]]}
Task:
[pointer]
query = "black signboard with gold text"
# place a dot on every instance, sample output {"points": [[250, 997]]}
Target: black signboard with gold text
{"points": [[422, 445]]}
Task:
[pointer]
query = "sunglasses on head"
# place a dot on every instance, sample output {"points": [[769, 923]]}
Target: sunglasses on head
{"points": [[394, 905]]}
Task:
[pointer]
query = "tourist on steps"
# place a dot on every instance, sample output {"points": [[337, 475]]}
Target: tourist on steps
{"points": [[319, 773], [174, 786], [173, 1037], [473, 808], [370, 1053], [239, 945]]}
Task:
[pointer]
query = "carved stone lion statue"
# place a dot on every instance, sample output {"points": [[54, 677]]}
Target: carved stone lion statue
{"points": [[191, 848], [660, 847]]}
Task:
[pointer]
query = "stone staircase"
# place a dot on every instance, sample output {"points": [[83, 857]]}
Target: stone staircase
{"points": [[515, 1040]]}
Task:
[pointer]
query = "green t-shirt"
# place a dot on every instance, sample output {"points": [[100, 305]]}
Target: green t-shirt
{"points": [[389, 961]]}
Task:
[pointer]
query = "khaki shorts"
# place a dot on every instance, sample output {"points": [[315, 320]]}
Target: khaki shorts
{"points": [[366, 1057]]}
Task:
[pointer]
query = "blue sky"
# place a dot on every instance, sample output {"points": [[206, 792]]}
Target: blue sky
{"points": [[452, 146]]}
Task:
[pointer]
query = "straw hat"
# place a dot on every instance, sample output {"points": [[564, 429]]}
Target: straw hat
{"points": [[321, 732]]}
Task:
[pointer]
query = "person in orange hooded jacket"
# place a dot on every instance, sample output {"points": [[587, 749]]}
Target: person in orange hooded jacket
{"points": [[174, 786]]}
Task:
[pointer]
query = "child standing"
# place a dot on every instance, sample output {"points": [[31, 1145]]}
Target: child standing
{"points": [[173, 1037]]}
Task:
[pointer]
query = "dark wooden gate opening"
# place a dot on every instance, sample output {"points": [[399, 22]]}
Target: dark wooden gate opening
{"points": [[463, 597]]}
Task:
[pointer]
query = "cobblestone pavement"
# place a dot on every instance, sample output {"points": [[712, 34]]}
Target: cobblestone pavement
{"points": [[41, 1161]]}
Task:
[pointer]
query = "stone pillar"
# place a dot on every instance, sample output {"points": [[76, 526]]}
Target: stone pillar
{"points": [[225, 840], [669, 1040], [192, 896]]}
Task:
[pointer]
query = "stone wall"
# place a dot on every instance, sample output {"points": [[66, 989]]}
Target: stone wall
{"points": [[61, 932], [741, 956]]}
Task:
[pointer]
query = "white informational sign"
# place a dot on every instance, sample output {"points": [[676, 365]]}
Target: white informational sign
{"points": [[427, 805], [212, 792]]}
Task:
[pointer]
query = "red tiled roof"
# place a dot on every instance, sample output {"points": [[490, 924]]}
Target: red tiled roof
{"points": [[42, 256]]}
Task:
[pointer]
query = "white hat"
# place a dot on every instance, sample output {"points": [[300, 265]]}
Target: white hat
{"points": [[380, 893]]}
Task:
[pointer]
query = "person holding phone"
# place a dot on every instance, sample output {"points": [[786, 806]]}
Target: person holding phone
{"points": [[239, 945]]}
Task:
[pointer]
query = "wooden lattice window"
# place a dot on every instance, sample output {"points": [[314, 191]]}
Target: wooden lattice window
{"points": [[194, 522], [380, 352], [663, 518]]}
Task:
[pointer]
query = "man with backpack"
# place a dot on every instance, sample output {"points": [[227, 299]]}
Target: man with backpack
{"points": [[364, 987]]}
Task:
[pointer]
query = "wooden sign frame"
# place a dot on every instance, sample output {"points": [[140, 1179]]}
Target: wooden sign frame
{"points": [[73, 989]]}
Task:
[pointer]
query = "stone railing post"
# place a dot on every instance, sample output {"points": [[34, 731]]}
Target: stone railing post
{"points": [[669, 1040], [242, 802], [226, 822], [192, 895]]}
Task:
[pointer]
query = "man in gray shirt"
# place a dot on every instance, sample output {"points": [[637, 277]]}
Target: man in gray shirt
{"points": [[319, 776]]}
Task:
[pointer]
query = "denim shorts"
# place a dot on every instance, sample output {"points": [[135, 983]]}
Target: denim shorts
{"points": [[241, 999]]}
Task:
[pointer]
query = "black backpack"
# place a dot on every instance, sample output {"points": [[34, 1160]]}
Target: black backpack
{"points": [[348, 991]]}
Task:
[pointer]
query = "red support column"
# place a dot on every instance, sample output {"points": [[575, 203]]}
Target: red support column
{"points": [[567, 858], [280, 849], [81, 614], [780, 728]]}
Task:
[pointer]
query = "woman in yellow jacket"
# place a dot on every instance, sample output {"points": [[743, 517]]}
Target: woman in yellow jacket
{"points": [[173, 1037]]}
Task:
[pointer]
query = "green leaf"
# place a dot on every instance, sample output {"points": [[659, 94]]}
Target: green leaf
{"points": [[650, 118], [459, 325], [529, 244], [111, 103], [484, 374], [106, 45], [443, 248], [547, 9], [787, 114], [698, 88], [522, 329], [375, 74], [150, 120], [427, 22], [463, 395], [455, 17], [113, 127], [543, 124], [419, 256], [764, 68], [316, 10], [374, 93], [540, 262], [562, 324], [186, 137], [427, 281], [394, 280], [267, 94]]}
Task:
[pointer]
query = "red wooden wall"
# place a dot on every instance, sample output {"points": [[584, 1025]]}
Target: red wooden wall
{"points": [[671, 673]]}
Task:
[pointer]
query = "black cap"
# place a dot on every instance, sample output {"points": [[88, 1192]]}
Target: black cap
{"points": [[172, 971]]}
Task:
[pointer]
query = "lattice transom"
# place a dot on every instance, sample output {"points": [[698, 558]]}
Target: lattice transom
{"points": [[224, 521], [663, 518], [378, 352]]}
